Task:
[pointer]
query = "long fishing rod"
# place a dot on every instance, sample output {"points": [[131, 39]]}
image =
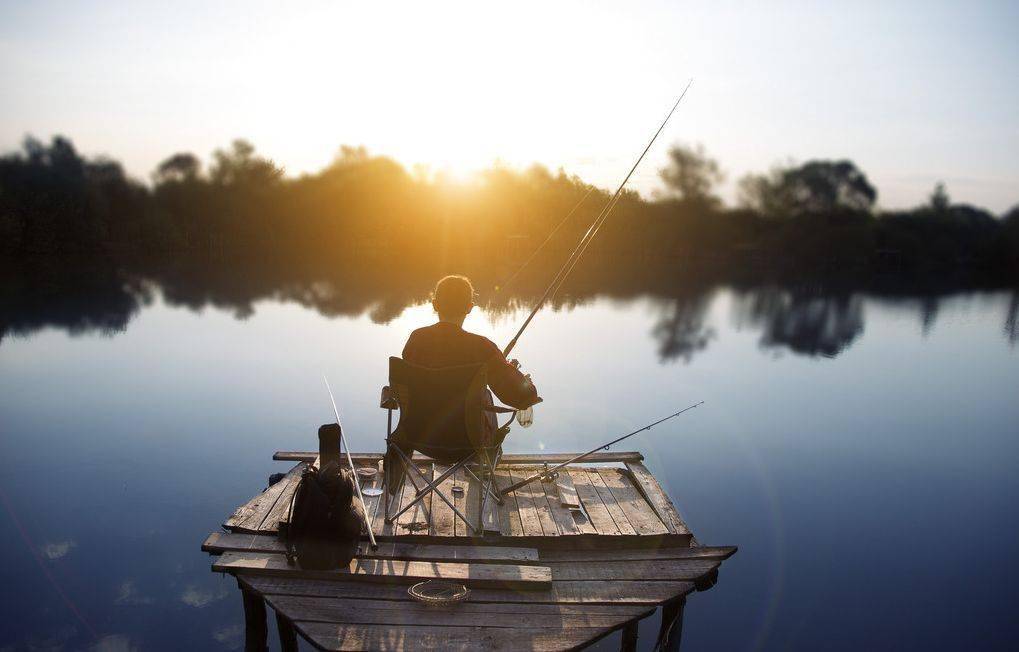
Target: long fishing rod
{"points": [[350, 461], [550, 472], [591, 232]]}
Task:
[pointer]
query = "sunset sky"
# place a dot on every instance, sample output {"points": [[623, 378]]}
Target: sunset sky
{"points": [[913, 92]]}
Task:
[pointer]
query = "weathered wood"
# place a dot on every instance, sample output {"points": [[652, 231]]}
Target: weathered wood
{"points": [[419, 637], [250, 516], [393, 571], [382, 612], [517, 609], [414, 522], [601, 520], [509, 512], [567, 492], [371, 503], [219, 542], [635, 554], [471, 504], [459, 494], [535, 493], [657, 498], [671, 632], [618, 515], [256, 630], [442, 513], [287, 633], [638, 512], [281, 509], [654, 570], [562, 516], [511, 458], [562, 592]]}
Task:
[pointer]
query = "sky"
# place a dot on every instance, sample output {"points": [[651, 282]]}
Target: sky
{"points": [[912, 92]]}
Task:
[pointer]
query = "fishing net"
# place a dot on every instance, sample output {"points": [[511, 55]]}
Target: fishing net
{"points": [[438, 592]]}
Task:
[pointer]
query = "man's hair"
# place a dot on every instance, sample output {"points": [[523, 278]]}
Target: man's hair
{"points": [[453, 295]]}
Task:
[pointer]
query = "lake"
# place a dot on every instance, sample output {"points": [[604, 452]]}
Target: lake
{"points": [[860, 448]]}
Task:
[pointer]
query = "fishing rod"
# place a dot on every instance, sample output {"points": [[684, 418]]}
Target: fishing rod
{"points": [[550, 472], [350, 461], [591, 232]]}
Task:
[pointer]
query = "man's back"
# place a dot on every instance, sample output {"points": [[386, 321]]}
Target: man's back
{"points": [[447, 345]]}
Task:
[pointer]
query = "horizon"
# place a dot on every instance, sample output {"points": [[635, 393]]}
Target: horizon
{"points": [[141, 85]]}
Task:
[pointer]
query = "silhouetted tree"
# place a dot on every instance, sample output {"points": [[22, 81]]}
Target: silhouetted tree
{"points": [[692, 175], [816, 187], [180, 168], [939, 200]]}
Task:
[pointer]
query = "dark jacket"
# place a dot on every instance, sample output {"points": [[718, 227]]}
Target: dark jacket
{"points": [[447, 345]]}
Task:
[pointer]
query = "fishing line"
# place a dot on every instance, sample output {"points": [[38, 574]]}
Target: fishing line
{"points": [[592, 231]]}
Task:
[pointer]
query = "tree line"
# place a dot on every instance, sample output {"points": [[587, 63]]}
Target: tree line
{"points": [[818, 216]]}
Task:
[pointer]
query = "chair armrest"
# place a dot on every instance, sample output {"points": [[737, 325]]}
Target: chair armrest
{"points": [[389, 401], [498, 409]]}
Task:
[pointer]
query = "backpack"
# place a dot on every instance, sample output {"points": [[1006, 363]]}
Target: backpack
{"points": [[324, 527]]}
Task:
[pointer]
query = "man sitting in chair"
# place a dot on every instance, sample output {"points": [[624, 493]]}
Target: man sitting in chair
{"points": [[447, 344]]}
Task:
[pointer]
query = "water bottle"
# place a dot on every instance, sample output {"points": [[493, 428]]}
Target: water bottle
{"points": [[525, 417]]}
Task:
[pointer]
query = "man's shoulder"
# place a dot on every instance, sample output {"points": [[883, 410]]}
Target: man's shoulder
{"points": [[483, 343]]}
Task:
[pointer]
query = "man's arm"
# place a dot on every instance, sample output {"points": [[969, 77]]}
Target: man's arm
{"points": [[512, 387]]}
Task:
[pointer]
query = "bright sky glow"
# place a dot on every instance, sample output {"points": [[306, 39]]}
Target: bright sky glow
{"points": [[913, 92]]}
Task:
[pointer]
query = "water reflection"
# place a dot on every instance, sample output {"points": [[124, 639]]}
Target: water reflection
{"points": [[819, 319]]}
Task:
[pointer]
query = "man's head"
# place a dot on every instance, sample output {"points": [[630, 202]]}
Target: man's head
{"points": [[453, 298]]}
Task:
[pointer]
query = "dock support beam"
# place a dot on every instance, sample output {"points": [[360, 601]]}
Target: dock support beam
{"points": [[630, 637], [288, 635], [256, 631], [671, 633]]}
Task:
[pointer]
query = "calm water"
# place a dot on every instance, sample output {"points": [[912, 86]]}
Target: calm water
{"points": [[861, 452]]}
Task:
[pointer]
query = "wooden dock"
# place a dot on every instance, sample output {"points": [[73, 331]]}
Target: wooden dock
{"points": [[561, 564]]}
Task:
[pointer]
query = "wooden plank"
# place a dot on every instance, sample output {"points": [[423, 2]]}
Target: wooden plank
{"points": [[534, 513], [472, 504], [618, 516], [562, 516], [657, 498], [600, 519], [490, 519], [653, 570], [460, 528], [382, 612], [281, 509], [371, 503], [329, 636], [567, 492], [379, 525], [414, 522], [467, 607], [512, 458], [509, 511], [562, 592], [634, 554], [219, 542], [637, 510], [393, 571], [249, 516], [442, 514]]}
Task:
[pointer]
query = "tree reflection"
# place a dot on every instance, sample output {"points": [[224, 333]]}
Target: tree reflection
{"points": [[806, 322], [816, 320]]}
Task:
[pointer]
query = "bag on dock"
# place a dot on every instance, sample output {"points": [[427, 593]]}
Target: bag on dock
{"points": [[324, 527]]}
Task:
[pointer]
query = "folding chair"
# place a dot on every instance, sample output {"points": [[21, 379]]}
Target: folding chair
{"points": [[443, 414]]}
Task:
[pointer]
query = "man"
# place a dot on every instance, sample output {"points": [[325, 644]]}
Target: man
{"points": [[447, 344]]}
